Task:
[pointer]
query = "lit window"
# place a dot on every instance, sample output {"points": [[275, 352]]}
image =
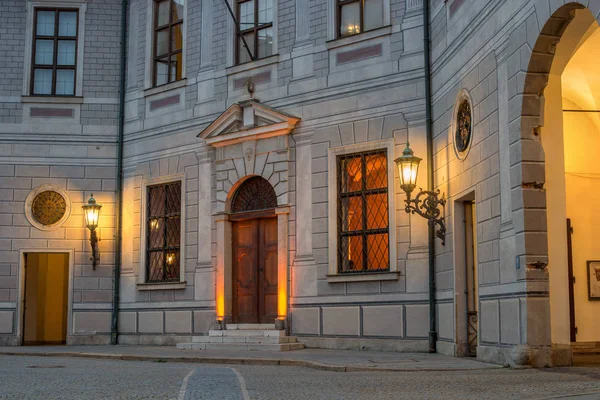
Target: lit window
{"points": [[168, 41], [356, 16], [54, 52], [163, 232], [363, 220]]}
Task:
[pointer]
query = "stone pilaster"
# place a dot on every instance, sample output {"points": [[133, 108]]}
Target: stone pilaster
{"points": [[508, 271], [204, 282], [302, 21], [206, 40], [304, 270], [418, 253]]}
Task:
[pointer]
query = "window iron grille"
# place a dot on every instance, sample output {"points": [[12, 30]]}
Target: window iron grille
{"points": [[363, 214], [163, 233]]}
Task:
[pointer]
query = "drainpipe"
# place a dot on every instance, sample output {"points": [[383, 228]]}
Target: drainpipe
{"points": [[430, 179], [119, 190]]}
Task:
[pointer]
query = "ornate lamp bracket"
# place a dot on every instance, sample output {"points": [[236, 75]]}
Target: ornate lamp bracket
{"points": [[94, 244], [427, 204]]}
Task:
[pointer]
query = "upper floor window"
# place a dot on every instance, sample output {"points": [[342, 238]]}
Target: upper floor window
{"points": [[54, 52], [163, 232], [363, 212], [357, 16], [168, 41], [256, 27]]}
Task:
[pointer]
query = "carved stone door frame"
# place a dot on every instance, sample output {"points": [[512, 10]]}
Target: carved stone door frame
{"points": [[224, 272]]}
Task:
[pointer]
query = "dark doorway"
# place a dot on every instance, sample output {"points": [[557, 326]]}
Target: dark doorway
{"points": [[471, 278], [255, 271]]}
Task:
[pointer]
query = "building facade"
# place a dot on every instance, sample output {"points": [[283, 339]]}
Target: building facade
{"points": [[252, 161]]}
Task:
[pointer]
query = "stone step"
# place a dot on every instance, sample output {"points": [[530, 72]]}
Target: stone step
{"points": [[241, 346], [590, 351], [244, 339], [247, 332], [585, 346], [250, 327]]}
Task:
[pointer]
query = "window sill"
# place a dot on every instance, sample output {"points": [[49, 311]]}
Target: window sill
{"points": [[165, 88], [161, 286], [367, 277], [361, 37], [274, 59], [52, 99]]}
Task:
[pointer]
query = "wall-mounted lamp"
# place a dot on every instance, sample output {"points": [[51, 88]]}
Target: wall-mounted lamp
{"points": [[426, 202], [91, 211]]}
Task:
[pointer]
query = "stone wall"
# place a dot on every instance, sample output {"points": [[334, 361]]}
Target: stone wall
{"points": [[73, 147]]}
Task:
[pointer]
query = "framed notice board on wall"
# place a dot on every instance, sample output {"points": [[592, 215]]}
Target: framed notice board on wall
{"points": [[593, 269]]}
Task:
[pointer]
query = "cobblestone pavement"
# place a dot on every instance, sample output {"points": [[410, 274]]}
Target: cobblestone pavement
{"points": [[35, 377]]}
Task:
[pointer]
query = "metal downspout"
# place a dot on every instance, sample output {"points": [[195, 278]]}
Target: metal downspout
{"points": [[430, 178], [119, 190]]}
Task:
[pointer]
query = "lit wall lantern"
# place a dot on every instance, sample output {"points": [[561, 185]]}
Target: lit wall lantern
{"points": [[91, 212], [426, 202]]}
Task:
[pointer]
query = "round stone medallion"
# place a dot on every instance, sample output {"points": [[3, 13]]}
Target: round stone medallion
{"points": [[48, 207], [462, 125]]}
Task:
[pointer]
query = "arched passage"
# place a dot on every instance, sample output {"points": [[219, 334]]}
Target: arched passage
{"points": [[548, 145]]}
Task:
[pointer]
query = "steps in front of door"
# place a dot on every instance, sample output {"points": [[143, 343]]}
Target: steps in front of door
{"points": [[586, 353], [253, 337]]}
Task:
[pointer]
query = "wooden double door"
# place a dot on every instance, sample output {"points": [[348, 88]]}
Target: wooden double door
{"points": [[255, 271]]}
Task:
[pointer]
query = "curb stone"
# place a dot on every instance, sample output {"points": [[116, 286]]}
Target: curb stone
{"points": [[239, 361]]}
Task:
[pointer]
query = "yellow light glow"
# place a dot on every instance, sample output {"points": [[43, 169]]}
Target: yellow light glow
{"points": [[91, 212], [352, 28], [282, 303], [170, 258], [220, 307], [282, 287], [408, 168], [92, 217], [409, 173], [154, 224]]}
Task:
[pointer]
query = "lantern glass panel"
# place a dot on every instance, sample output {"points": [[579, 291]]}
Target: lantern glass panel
{"points": [[92, 215]]}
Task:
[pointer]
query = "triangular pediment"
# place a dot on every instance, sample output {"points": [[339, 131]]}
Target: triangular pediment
{"points": [[247, 120]]}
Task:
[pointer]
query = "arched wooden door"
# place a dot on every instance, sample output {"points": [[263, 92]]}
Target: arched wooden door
{"points": [[254, 252]]}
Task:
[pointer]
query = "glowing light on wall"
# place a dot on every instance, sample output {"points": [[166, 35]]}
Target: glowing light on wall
{"points": [[220, 306], [282, 302]]}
